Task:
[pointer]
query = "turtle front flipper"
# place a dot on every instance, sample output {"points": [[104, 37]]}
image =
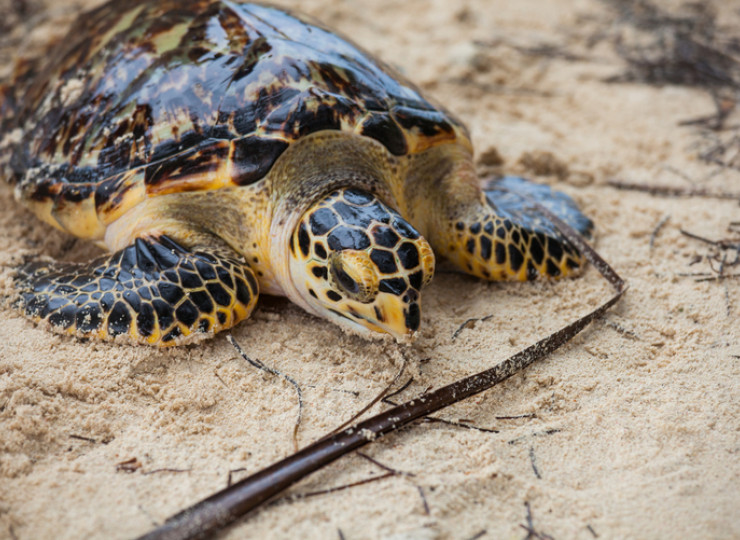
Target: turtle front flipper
{"points": [[155, 292], [505, 236]]}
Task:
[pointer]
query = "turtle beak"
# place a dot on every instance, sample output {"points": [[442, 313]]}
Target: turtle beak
{"points": [[403, 322], [391, 315]]}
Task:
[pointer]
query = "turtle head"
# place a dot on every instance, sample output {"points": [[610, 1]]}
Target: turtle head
{"points": [[358, 263]]}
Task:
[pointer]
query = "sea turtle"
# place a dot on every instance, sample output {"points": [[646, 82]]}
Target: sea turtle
{"points": [[219, 149]]}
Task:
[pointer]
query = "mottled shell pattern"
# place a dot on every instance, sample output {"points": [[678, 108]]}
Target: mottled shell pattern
{"points": [[194, 103]]}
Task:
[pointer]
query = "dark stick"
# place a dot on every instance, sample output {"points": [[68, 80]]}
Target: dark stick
{"points": [[226, 506], [237, 500]]}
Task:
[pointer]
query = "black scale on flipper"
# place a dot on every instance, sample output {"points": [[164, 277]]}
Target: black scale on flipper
{"points": [[153, 292]]}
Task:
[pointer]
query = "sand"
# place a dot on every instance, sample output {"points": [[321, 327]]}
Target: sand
{"points": [[630, 431]]}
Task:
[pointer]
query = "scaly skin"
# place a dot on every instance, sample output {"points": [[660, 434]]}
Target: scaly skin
{"points": [[362, 264]]}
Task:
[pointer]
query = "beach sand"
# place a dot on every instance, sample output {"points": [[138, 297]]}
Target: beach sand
{"points": [[630, 431]]}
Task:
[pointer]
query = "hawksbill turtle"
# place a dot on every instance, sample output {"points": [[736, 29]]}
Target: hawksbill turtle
{"points": [[218, 149]]}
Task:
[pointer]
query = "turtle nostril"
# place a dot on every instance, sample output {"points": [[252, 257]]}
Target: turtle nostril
{"points": [[413, 317], [411, 296]]}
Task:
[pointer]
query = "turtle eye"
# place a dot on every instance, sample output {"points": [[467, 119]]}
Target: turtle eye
{"points": [[353, 273], [345, 281]]}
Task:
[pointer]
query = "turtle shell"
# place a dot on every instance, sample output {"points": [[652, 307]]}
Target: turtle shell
{"points": [[154, 97]]}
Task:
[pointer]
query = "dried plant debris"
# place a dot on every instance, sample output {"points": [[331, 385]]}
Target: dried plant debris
{"points": [[721, 257], [721, 149], [687, 47], [14, 11], [129, 466], [532, 533]]}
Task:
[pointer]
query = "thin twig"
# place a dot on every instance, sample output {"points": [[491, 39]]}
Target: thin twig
{"points": [[718, 278], [697, 237], [467, 324], [669, 191], [532, 533], [722, 244], [424, 500], [404, 386], [396, 472], [728, 301], [291, 380], [165, 469], [530, 521], [382, 466], [535, 434], [373, 401], [656, 230], [679, 173], [81, 438], [515, 416], [229, 480], [459, 424], [342, 487], [534, 463], [592, 531], [621, 329], [338, 390], [215, 372]]}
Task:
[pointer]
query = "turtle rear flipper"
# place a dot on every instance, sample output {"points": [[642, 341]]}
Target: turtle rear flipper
{"points": [[154, 292], [501, 234], [533, 244], [513, 198]]}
